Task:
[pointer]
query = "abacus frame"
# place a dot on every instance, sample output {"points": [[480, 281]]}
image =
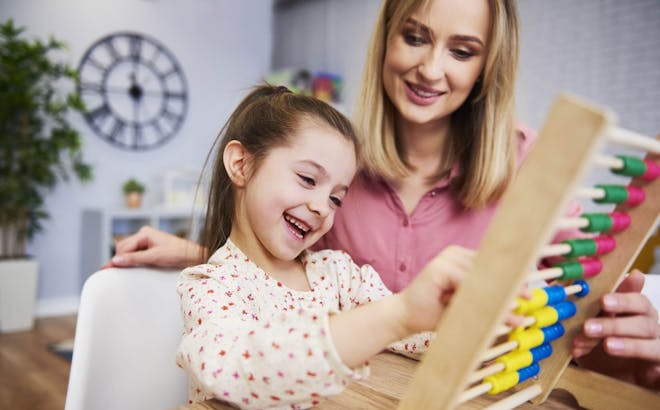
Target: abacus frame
{"points": [[572, 134]]}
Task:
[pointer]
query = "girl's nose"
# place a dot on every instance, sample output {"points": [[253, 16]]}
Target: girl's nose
{"points": [[320, 206]]}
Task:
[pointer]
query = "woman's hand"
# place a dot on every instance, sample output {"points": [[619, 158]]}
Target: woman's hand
{"points": [[152, 247], [625, 341]]}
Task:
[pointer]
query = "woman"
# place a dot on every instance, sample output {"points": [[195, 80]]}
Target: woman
{"points": [[441, 146]]}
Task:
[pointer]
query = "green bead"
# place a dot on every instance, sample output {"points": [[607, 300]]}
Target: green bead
{"points": [[632, 167], [597, 223], [581, 247], [570, 270], [614, 194]]}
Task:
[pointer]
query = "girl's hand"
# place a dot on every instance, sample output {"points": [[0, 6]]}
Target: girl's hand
{"points": [[425, 299], [625, 341]]}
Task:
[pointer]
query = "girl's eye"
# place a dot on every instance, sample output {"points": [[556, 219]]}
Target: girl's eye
{"points": [[307, 180], [336, 201], [462, 54]]}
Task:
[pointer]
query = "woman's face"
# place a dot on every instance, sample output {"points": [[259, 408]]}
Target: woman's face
{"points": [[434, 60]]}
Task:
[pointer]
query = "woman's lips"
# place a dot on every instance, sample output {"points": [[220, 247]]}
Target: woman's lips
{"points": [[422, 95]]}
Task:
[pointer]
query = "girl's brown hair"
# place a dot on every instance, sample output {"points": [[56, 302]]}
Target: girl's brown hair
{"points": [[482, 139], [264, 120]]}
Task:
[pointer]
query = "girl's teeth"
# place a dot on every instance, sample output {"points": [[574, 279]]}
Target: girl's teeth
{"points": [[296, 223]]}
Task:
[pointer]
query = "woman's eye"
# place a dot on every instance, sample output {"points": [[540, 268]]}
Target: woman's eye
{"points": [[307, 180], [336, 201], [462, 54], [414, 39]]}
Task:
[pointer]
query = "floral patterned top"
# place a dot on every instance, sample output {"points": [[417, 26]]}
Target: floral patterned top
{"points": [[251, 341]]}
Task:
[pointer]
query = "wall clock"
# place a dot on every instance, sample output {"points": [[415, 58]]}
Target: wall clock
{"points": [[134, 90]]}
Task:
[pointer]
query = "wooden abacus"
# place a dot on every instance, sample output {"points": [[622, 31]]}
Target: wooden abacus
{"points": [[516, 240]]}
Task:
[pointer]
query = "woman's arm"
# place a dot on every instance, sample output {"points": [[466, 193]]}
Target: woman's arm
{"points": [[152, 247]]}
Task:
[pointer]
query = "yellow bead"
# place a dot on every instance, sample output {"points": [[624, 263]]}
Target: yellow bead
{"points": [[545, 316], [516, 359], [528, 339], [501, 381], [539, 299]]}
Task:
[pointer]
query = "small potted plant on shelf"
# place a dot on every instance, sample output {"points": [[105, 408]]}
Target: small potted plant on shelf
{"points": [[133, 190], [39, 146]]}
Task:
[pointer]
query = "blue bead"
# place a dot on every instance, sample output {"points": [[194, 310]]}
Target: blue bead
{"points": [[553, 332], [585, 288], [565, 309], [555, 294], [527, 372], [541, 352]]}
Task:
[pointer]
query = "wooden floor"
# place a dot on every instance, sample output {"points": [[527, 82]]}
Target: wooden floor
{"points": [[31, 376]]}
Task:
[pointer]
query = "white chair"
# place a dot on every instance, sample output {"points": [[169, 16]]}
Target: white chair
{"points": [[127, 332]]}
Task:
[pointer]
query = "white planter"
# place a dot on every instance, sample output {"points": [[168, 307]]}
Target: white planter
{"points": [[18, 294]]}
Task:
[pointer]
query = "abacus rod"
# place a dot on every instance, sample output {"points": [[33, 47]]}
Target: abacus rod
{"points": [[557, 249], [572, 223], [545, 274], [473, 392], [608, 162], [517, 399], [633, 139], [486, 371], [590, 193], [499, 350]]}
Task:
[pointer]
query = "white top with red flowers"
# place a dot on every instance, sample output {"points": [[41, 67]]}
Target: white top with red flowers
{"points": [[251, 341]]}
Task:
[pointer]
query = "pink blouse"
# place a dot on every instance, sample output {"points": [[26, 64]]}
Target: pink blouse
{"points": [[373, 227]]}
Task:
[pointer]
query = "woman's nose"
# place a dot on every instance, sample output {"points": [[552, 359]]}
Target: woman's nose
{"points": [[432, 66]]}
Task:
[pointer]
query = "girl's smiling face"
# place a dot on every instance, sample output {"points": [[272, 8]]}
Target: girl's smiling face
{"points": [[291, 196], [432, 63]]}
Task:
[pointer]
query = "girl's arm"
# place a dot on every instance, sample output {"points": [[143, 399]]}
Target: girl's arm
{"points": [[360, 333]]}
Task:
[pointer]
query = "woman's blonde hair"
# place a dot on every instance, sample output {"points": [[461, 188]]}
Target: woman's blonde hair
{"points": [[482, 136]]}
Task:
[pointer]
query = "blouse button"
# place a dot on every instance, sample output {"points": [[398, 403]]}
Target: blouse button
{"points": [[434, 192], [402, 267], [405, 222]]}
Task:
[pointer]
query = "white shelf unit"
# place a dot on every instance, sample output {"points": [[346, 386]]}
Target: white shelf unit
{"points": [[101, 227]]}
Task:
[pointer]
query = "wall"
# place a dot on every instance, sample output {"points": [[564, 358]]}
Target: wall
{"points": [[224, 47], [325, 35]]}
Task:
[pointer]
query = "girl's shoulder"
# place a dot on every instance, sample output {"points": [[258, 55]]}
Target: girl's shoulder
{"points": [[328, 257]]}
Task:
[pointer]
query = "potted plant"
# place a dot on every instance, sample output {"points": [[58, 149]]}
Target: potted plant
{"points": [[133, 191], [38, 146]]}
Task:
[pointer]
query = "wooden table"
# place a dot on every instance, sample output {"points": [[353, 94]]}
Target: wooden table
{"points": [[390, 374]]}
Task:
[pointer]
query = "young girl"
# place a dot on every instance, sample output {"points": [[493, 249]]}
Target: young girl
{"points": [[267, 322]]}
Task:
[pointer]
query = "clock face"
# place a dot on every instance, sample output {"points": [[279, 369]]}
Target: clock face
{"points": [[134, 90]]}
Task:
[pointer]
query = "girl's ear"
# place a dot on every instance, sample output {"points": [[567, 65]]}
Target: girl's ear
{"points": [[236, 161]]}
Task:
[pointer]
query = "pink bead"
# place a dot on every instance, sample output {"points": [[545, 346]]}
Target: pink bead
{"points": [[591, 267], [636, 195], [604, 244], [652, 170], [620, 221]]}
